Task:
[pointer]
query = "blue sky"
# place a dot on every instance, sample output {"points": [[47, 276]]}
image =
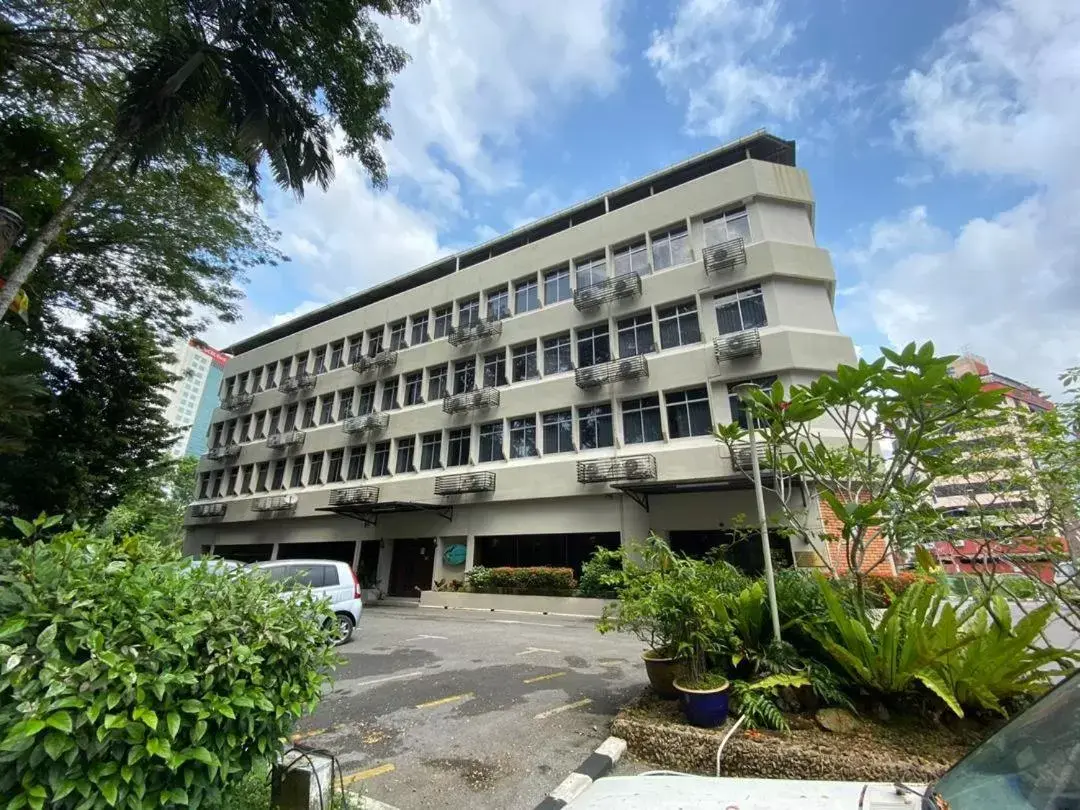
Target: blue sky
{"points": [[939, 137]]}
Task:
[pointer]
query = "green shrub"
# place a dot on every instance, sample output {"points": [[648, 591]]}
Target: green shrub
{"points": [[537, 579], [478, 579], [602, 574], [137, 679]]}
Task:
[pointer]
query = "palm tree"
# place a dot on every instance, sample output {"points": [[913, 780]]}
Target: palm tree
{"points": [[248, 79]]}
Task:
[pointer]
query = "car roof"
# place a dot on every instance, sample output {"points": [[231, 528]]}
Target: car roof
{"points": [[267, 563]]}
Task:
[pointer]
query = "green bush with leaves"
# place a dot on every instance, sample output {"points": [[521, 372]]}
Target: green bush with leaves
{"points": [[602, 574], [134, 678], [532, 579]]}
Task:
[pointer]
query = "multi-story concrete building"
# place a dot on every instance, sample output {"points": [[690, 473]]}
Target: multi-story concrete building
{"points": [[193, 396], [527, 400]]}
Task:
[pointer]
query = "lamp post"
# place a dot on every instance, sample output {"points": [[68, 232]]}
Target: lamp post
{"points": [[743, 392]]}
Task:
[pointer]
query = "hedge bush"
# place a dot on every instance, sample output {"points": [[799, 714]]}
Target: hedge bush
{"points": [[602, 574], [132, 678], [535, 580]]}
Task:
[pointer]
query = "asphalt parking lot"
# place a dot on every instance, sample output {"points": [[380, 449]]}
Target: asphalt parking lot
{"points": [[436, 709]]}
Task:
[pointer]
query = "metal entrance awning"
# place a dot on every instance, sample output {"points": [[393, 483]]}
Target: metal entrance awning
{"points": [[369, 513], [639, 491]]}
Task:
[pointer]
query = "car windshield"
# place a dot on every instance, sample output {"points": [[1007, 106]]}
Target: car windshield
{"points": [[1032, 763]]}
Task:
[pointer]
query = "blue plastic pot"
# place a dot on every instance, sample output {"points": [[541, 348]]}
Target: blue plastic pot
{"points": [[705, 708]]}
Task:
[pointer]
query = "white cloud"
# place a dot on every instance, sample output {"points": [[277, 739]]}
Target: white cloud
{"points": [[723, 58], [1000, 98]]}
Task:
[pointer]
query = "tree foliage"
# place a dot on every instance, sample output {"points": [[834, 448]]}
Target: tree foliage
{"points": [[136, 679], [21, 391], [102, 432], [155, 509]]}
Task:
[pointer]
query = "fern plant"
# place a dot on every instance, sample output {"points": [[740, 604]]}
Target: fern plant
{"points": [[756, 700]]}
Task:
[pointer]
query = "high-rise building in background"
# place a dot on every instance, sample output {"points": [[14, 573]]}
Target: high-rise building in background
{"points": [[530, 399], [194, 395]]}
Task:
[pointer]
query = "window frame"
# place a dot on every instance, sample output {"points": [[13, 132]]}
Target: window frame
{"points": [[680, 399], [380, 452], [590, 422], [590, 270], [735, 408], [375, 338], [730, 230], [531, 289], [561, 423], [674, 315], [419, 321], [487, 430], [498, 303], [337, 354], [390, 391], [666, 239], [319, 363], [277, 477], [741, 301], [593, 333], [335, 461], [494, 370], [556, 351], [311, 406], [296, 472], [635, 330], [526, 425], [326, 409], [357, 461], [414, 388], [468, 372], [314, 476], [468, 310], [441, 375], [365, 396], [398, 335], [462, 438], [520, 361], [431, 460], [637, 259], [345, 403], [442, 320], [405, 457], [646, 404], [554, 279]]}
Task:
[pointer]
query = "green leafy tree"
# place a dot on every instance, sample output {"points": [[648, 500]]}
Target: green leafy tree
{"points": [[242, 81], [102, 433], [829, 436], [156, 508], [21, 391]]}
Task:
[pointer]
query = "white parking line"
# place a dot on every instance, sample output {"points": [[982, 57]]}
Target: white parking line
{"points": [[561, 709], [418, 638], [534, 624], [530, 650], [400, 677]]}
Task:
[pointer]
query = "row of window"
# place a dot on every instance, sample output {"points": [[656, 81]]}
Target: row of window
{"points": [[667, 248], [634, 335], [531, 435]]}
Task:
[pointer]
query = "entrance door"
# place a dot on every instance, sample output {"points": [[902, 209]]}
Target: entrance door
{"points": [[412, 566]]}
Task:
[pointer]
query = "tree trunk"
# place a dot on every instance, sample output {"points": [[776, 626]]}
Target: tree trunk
{"points": [[47, 235]]}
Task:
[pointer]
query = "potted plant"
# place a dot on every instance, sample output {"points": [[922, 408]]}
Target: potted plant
{"points": [[701, 639], [649, 608]]}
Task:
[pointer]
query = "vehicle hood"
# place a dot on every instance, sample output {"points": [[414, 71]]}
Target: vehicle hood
{"points": [[685, 792]]}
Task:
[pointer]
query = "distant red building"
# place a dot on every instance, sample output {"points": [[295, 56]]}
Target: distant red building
{"points": [[972, 556]]}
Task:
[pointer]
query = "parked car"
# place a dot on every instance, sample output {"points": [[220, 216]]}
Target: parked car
{"points": [[329, 579], [1030, 763]]}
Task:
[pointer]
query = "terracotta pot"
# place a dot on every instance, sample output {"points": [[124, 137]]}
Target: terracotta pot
{"points": [[662, 673]]}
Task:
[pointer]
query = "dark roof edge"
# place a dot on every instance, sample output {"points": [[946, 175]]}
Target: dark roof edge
{"points": [[447, 264]]}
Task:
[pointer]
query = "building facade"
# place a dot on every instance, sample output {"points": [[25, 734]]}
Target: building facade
{"points": [[530, 399], [193, 397]]}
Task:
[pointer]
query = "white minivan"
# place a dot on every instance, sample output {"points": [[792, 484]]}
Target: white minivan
{"points": [[328, 579]]}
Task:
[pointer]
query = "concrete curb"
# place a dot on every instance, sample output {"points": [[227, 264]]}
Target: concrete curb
{"points": [[599, 763]]}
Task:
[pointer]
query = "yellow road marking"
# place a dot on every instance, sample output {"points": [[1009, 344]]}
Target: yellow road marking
{"points": [[544, 677], [303, 735], [441, 701], [560, 709], [378, 770]]}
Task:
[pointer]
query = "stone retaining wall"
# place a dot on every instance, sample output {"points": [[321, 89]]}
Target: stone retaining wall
{"points": [[551, 605]]}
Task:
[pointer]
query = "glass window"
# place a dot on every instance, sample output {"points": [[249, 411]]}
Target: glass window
{"points": [[591, 270], [326, 413], [345, 400], [314, 475], [389, 394], [641, 420], [262, 420], [443, 316], [557, 354], [204, 485], [498, 303], [557, 285], [419, 329], [526, 295], [523, 436], [375, 341], [523, 362], [356, 463], [678, 325], [593, 345], [406, 451], [230, 431], [430, 450], [495, 369], [738, 411], [297, 474], [278, 481], [558, 432], [414, 388], [739, 310], [271, 375], [241, 383], [219, 477], [688, 413], [337, 352], [256, 382], [290, 416], [469, 311], [728, 225], [320, 360], [310, 407], [437, 377], [245, 479], [670, 248], [333, 466], [245, 427], [632, 259], [380, 459], [261, 473], [464, 375], [457, 447], [300, 363], [635, 335], [367, 400], [491, 441], [595, 427], [397, 335], [356, 346], [215, 434]]}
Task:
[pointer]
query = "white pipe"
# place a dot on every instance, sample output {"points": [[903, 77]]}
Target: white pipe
{"points": [[727, 737]]}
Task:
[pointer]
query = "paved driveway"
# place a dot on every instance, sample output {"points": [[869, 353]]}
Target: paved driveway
{"points": [[436, 709]]}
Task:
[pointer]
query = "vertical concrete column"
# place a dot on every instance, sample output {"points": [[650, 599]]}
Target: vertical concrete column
{"points": [[470, 552], [386, 558], [274, 551]]}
